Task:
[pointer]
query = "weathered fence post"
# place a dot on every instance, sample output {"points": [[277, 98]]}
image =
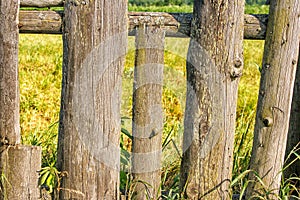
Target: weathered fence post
{"points": [[147, 112], [275, 96], [293, 141], [9, 88], [214, 65], [19, 165], [95, 42]]}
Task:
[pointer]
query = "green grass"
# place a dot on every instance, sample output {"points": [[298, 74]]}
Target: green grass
{"points": [[257, 9], [40, 58]]}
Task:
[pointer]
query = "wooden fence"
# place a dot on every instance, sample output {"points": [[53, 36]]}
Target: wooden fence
{"points": [[88, 149]]}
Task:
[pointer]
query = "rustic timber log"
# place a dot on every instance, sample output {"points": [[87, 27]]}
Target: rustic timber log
{"points": [[147, 112], [20, 166], [95, 41], [255, 26], [214, 66], [174, 24], [41, 3], [48, 22], [9, 79], [275, 98]]}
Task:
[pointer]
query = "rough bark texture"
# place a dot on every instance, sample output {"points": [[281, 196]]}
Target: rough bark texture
{"points": [[255, 26], [293, 142], [95, 41], [147, 112], [275, 96], [214, 65], [41, 3], [174, 24], [20, 166], [9, 82], [48, 22]]}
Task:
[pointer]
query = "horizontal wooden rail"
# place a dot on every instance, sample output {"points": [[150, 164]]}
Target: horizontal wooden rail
{"points": [[175, 24], [41, 3], [48, 22], [52, 3]]}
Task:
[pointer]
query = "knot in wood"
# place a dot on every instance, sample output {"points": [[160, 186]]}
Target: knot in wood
{"points": [[267, 66], [83, 3], [268, 121], [154, 132], [238, 63], [4, 141], [235, 73]]}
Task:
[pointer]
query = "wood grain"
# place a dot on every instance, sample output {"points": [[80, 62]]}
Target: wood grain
{"points": [[95, 41], [9, 79], [275, 97], [147, 112], [174, 24], [214, 66]]}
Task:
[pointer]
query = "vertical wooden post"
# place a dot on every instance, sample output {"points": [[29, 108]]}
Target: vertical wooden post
{"points": [[275, 96], [147, 112], [294, 131], [9, 82], [19, 165], [214, 65], [95, 42]]}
